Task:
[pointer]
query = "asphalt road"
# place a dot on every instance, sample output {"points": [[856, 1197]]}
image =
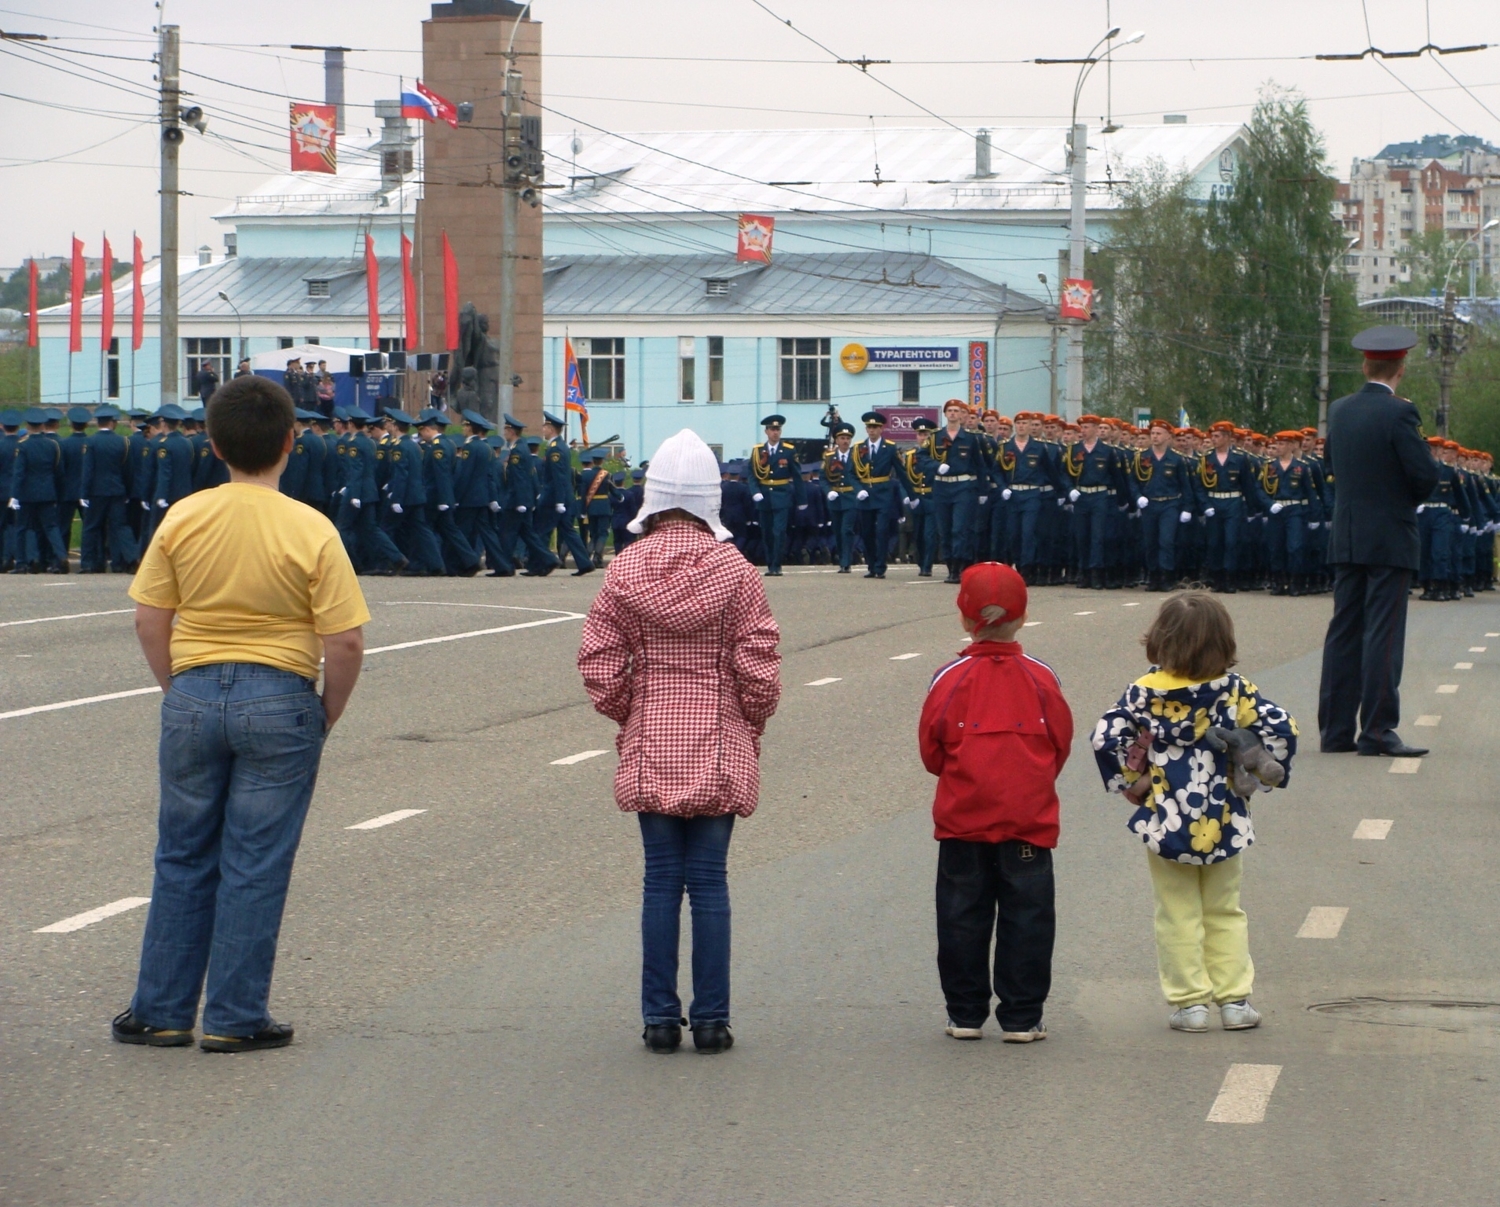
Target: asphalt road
{"points": [[464, 981]]}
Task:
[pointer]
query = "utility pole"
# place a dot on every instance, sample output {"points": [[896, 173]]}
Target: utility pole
{"points": [[1079, 154], [1325, 319], [510, 216], [171, 140], [1447, 355], [1052, 371]]}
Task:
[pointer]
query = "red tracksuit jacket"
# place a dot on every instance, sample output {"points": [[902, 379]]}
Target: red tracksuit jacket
{"points": [[996, 732]]}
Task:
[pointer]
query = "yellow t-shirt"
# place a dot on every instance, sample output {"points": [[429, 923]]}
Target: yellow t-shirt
{"points": [[253, 576]]}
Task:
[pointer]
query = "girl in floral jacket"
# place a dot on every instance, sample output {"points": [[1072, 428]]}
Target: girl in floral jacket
{"points": [[1151, 747]]}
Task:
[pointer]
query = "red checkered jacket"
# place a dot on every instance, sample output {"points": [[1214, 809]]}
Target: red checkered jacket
{"points": [[679, 649]]}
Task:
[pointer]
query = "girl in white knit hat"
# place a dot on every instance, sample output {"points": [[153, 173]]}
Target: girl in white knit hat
{"points": [[679, 649]]}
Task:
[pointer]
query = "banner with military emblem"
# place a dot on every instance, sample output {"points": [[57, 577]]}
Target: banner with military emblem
{"points": [[314, 137]]}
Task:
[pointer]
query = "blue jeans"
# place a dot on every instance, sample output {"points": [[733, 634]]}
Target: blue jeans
{"points": [[691, 853], [240, 745]]}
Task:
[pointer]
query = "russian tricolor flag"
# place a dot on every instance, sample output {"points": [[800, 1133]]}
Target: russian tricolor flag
{"points": [[427, 106]]}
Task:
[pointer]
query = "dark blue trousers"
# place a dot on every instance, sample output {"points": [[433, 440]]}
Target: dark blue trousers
{"points": [[1091, 518], [1362, 656], [1024, 535], [1159, 533], [773, 522], [1224, 529], [954, 506]]}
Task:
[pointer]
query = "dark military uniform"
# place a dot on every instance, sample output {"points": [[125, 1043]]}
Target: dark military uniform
{"points": [[778, 488], [104, 485], [36, 485]]}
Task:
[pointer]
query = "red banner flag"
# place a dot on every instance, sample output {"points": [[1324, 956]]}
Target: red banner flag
{"points": [[314, 137], [75, 298], [137, 299], [409, 298], [754, 243], [372, 290], [450, 297], [107, 300], [1077, 299], [31, 307]]}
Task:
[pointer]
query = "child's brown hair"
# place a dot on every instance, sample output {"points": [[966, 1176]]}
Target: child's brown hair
{"points": [[1193, 636]]}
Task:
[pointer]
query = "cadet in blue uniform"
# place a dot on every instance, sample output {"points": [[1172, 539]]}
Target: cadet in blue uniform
{"points": [[1028, 474], [1440, 517], [103, 489], [10, 424], [596, 499], [36, 484], [918, 467], [369, 546], [439, 460], [1096, 486], [877, 488], [958, 463], [474, 486], [73, 445], [778, 488], [521, 481], [1159, 476], [1226, 484], [406, 500], [559, 503], [174, 462], [1288, 497], [838, 482]]}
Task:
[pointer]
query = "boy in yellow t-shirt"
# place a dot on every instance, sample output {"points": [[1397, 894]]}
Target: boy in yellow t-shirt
{"points": [[261, 590]]}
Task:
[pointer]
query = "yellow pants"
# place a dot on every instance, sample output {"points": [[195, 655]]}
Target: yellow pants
{"points": [[1202, 936]]}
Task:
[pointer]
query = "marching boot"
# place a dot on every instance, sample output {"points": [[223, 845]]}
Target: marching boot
{"points": [[1468, 590], [1296, 587], [952, 573], [1279, 585], [1096, 580]]}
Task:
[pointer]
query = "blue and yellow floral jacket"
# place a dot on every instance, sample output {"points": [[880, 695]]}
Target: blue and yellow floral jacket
{"points": [[1191, 814]]}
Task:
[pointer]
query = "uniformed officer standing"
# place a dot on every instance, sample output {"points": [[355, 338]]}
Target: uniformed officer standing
{"points": [[520, 491], [878, 485], [778, 488], [1226, 482], [1286, 494], [474, 486], [439, 460], [10, 423], [73, 445], [36, 484], [596, 498], [1441, 517], [1159, 475], [918, 467], [1027, 471], [406, 494], [958, 463], [837, 475], [103, 488], [559, 502], [1096, 485], [1384, 469], [174, 462], [369, 545]]}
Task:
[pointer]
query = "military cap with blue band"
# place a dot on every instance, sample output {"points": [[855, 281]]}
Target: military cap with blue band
{"points": [[79, 414], [510, 420], [549, 417], [478, 421], [773, 421]]}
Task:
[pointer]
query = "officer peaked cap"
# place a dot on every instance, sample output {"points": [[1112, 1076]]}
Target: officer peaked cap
{"points": [[873, 417], [1385, 343], [79, 414], [36, 415], [510, 420], [549, 417], [478, 420], [773, 421]]}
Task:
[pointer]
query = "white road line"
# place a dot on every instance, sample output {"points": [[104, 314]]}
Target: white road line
{"points": [[1463, 666], [1031, 624], [1373, 828], [823, 682], [1447, 689], [1323, 922], [1405, 766], [79, 921], [379, 649], [903, 657], [1430, 720], [59, 584], [1492, 634], [10, 624], [1134, 604], [386, 819], [1082, 613], [1478, 649], [1245, 1094], [578, 758]]}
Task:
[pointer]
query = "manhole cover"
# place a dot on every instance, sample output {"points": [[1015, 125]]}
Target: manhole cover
{"points": [[1434, 1013]]}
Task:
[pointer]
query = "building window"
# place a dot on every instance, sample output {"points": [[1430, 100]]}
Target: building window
{"points": [[804, 370], [601, 369], [196, 351], [318, 288], [718, 451], [687, 369], [312, 339], [285, 341], [911, 385], [395, 344], [716, 368], [112, 370]]}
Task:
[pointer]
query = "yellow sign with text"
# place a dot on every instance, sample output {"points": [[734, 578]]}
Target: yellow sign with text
{"points": [[854, 358]]}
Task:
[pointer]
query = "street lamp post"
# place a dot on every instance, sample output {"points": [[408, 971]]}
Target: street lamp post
{"points": [[1078, 163], [239, 326], [1325, 316], [1447, 349]]}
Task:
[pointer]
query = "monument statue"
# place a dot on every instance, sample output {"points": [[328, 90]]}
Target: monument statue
{"points": [[478, 352], [467, 397]]}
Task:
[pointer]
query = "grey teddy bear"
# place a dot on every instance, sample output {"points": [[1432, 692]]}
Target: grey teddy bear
{"points": [[1251, 766]]}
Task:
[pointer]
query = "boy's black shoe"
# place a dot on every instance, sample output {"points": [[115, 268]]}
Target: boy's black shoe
{"points": [[663, 1038], [127, 1029], [272, 1035], [712, 1037]]}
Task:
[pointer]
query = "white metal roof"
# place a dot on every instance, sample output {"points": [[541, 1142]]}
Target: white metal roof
{"points": [[353, 192], [723, 171]]}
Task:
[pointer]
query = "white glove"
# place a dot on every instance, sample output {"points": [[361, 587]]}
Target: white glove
{"points": [[1312, 525], [944, 468], [1062, 502], [343, 490], [14, 504], [83, 502], [1074, 496], [1184, 517], [862, 495], [356, 504], [912, 503], [801, 506], [1141, 502], [983, 499], [1208, 513], [832, 495], [442, 507], [522, 510], [396, 507], [1006, 493], [1276, 508], [562, 509], [494, 506], [758, 497], [162, 503]]}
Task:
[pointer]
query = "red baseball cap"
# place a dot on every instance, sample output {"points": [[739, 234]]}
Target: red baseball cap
{"points": [[986, 583]]}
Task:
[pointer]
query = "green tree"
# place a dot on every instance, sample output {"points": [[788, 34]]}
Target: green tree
{"points": [[51, 289], [1474, 419], [1429, 257]]}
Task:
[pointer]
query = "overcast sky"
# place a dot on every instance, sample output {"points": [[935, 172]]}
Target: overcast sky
{"points": [[691, 64]]}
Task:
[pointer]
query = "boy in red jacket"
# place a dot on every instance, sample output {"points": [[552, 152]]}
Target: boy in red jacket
{"points": [[996, 732]]}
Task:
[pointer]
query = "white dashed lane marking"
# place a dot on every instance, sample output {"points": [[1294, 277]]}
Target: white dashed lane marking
{"points": [[904, 657], [1492, 634], [386, 819], [1405, 766], [1323, 922], [824, 682], [1478, 649], [1082, 613], [1031, 624], [1447, 689], [1430, 720], [578, 758], [36, 708], [1136, 604], [1245, 1094], [10, 624], [1373, 828], [79, 921], [1463, 666]]}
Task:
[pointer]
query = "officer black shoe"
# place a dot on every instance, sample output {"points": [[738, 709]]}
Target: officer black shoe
{"points": [[273, 1035], [920, 573], [845, 570], [1431, 594], [581, 573], [501, 574], [711, 1038], [1468, 591], [127, 1029], [662, 1038], [952, 576]]}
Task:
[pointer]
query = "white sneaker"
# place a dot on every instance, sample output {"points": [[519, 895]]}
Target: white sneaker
{"points": [[958, 1032], [1189, 1018], [1239, 1016], [1025, 1037]]}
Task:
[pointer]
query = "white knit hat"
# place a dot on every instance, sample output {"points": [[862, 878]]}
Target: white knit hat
{"points": [[684, 473]]}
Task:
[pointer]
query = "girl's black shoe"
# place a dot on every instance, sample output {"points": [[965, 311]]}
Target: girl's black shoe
{"points": [[713, 1037], [664, 1038]]}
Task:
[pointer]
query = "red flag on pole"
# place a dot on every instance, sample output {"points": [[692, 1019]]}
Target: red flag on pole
{"points": [[372, 290], [75, 317], [31, 308], [107, 301], [137, 299], [409, 297], [450, 296]]}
